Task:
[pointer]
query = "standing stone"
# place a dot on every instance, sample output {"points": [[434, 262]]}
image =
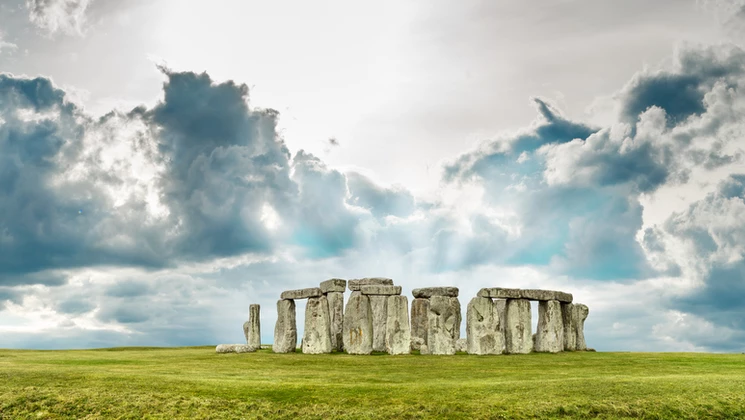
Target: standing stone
{"points": [[501, 305], [336, 312], [357, 329], [581, 315], [458, 317], [442, 323], [379, 305], [550, 332], [482, 327], [569, 319], [397, 329], [517, 336], [285, 330], [419, 322], [254, 326], [317, 337], [246, 329]]}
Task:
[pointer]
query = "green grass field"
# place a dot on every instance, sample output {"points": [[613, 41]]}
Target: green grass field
{"points": [[196, 382]]}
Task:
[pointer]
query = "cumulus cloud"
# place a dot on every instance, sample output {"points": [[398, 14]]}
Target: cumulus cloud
{"points": [[52, 16]]}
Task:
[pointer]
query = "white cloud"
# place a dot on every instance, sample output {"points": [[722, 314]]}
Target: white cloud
{"points": [[65, 16]]}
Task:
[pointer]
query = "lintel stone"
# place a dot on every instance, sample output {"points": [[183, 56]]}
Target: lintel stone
{"points": [[333, 285], [428, 292], [530, 294], [354, 285], [380, 289], [311, 292]]}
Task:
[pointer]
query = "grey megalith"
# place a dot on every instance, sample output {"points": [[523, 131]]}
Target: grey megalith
{"points": [[285, 330], [317, 333], [379, 305], [483, 335], [336, 312], [517, 335], [397, 329], [357, 330], [443, 321], [419, 322], [550, 329], [254, 326]]}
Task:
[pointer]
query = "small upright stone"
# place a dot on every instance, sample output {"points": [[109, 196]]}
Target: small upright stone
{"points": [[428, 292], [461, 345], [550, 332], [336, 312], [355, 285], [442, 320], [246, 328], [333, 285], [317, 337], [581, 315], [518, 337], [379, 305], [569, 319], [285, 330], [398, 331], [419, 322], [482, 327], [254, 326], [357, 328]]}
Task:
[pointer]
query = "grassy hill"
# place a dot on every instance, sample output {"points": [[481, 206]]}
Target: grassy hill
{"points": [[195, 382]]}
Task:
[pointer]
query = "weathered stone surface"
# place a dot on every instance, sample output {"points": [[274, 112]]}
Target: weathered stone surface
{"points": [[419, 322], [379, 305], [336, 312], [234, 348], [530, 294], [246, 328], [285, 330], [461, 345], [442, 325], [581, 315], [428, 292], [357, 329], [354, 285], [499, 292], [459, 317], [546, 295], [310, 292], [397, 329], [333, 285], [317, 336], [483, 334], [380, 289], [254, 326], [501, 305], [550, 330], [517, 334], [569, 319]]}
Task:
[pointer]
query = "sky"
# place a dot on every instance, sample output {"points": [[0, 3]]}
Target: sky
{"points": [[164, 163]]}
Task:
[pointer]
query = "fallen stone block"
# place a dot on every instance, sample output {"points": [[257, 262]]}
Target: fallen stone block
{"points": [[333, 285], [380, 289], [234, 348], [311, 292], [428, 292], [354, 285]]}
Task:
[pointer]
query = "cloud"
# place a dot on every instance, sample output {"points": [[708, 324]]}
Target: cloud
{"points": [[6, 45], [52, 16]]}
